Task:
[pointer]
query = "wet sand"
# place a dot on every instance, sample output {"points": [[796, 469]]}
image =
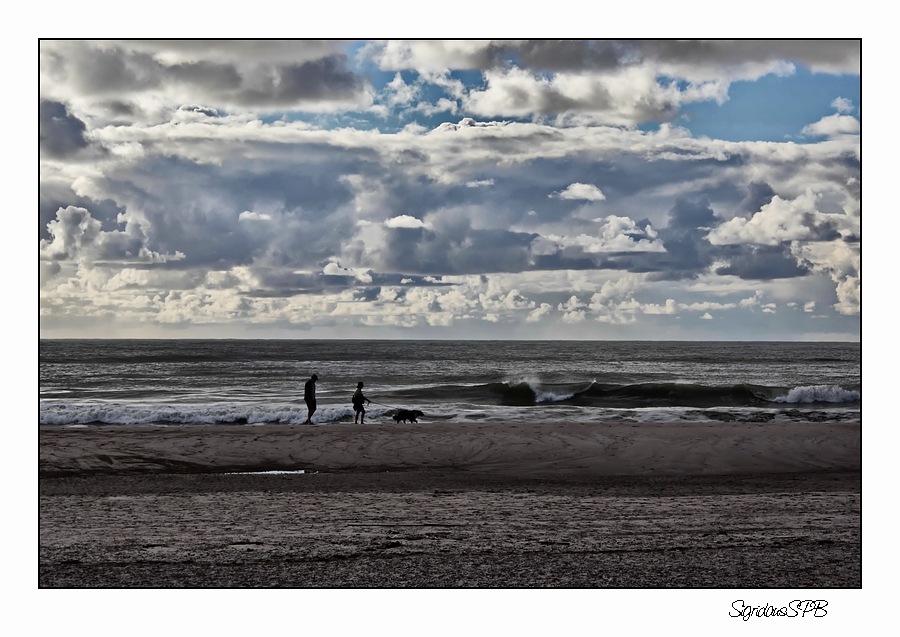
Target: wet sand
{"points": [[716, 505]]}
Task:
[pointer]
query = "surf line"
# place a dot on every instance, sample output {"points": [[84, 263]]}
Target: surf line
{"points": [[403, 524]]}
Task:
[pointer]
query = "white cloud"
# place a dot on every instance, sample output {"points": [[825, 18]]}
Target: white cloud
{"points": [[588, 192], [707, 305], [443, 105], [616, 234], [752, 301], [479, 183], [578, 316], [77, 235], [572, 304], [670, 307], [335, 269], [405, 221], [615, 303], [776, 222], [842, 105], [841, 261], [809, 307], [539, 313], [707, 316], [248, 215], [833, 125], [399, 92]]}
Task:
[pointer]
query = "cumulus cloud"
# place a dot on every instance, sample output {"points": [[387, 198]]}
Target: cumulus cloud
{"points": [[75, 234], [842, 105], [588, 192], [404, 221], [615, 81], [842, 263], [833, 125], [777, 222], [615, 234], [537, 314], [255, 182]]}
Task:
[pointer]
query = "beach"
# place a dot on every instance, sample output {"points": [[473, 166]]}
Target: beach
{"points": [[697, 504]]}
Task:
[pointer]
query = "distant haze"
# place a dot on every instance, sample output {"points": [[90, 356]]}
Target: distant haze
{"points": [[439, 189]]}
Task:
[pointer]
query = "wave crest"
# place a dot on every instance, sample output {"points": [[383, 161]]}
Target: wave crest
{"points": [[819, 394]]}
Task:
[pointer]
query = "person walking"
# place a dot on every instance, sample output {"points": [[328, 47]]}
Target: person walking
{"points": [[358, 400], [309, 396]]}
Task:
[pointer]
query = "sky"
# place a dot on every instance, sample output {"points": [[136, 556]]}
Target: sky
{"points": [[523, 189]]}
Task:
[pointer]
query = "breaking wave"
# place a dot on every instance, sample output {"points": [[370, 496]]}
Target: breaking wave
{"points": [[819, 394]]}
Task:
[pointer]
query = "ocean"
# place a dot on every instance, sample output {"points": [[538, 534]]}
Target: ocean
{"points": [[86, 383]]}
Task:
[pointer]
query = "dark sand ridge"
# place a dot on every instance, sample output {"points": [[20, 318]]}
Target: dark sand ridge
{"points": [[584, 505], [521, 449]]}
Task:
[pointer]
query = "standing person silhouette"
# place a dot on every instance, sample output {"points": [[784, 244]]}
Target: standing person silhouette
{"points": [[358, 400], [309, 396]]}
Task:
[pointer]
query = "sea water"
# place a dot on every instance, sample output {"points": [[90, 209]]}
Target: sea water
{"points": [[191, 382]]}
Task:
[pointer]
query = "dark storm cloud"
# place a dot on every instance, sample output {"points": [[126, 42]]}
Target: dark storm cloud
{"points": [[760, 194], [528, 186], [113, 68], [279, 282], [581, 55], [557, 55], [687, 216], [763, 263], [100, 71], [327, 78], [454, 247], [835, 54], [687, 252], [366, 294], [118, 107], [560, 261], [820, 229], [592, 55], [206, 75], [60, 133], [195, 209]]}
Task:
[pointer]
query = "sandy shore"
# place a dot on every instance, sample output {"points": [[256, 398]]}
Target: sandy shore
{"points": [[490, 505], [520, 449]]}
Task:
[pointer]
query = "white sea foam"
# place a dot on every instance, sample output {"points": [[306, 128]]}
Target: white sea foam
{"points": [[72, 414], [819, 394]]}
